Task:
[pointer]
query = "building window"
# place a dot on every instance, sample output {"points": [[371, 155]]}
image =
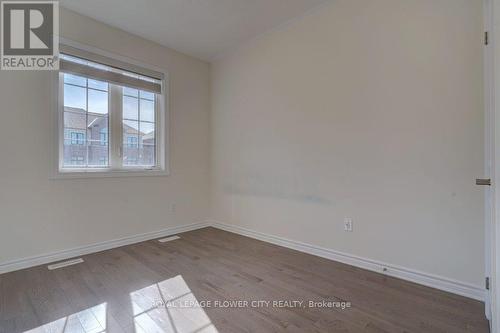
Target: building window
{"points": [[103, 106], [132, 141], [77, 138], [77, 160], [104, 137]]}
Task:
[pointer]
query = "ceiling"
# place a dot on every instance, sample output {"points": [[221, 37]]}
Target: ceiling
{"points": [[204, 29]]}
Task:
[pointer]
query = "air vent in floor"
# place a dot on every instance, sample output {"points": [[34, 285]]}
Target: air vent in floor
{"points": [[65, 264], [168, 239]]}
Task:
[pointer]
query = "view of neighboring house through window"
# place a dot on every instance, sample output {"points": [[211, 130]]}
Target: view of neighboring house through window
{"points": [[132, 140], [85, 118], [104, 137], [77, 138], [77, 160], [138, 127], [97, 114]]}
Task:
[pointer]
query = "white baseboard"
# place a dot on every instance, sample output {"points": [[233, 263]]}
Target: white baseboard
{"points": [[429, 280], [43, 259]]}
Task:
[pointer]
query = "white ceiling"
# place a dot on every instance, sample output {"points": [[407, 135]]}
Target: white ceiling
{"points": [[202, 28]]}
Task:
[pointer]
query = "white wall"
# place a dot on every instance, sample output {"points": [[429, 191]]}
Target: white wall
{"points": [[39, 215], [366, 109]]}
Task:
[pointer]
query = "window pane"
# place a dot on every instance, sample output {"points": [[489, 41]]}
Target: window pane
{"points": [[130, 92], [130, 156], [100, 85], [147, 155], [130, 127], [74, 79], [98, 156], [75, 149], [130, 142], [98, 101], [147, 150], [104, 137], [147, 95], [97, 141], [75, 122], [86, 124], [147, 128], [75, 97], [147, 110], [130, 108], [96, 126], [75, 119], [86, 142]]}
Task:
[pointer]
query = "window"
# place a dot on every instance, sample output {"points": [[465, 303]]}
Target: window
{"points": [[85, 114], [73, 136], [104, 137], [111, 116], [138, 127], [77, 138], [132, 140], [77, 160]]}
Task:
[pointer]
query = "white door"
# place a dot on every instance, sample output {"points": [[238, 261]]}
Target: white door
{"points": [[492, 165], [489, 144]]}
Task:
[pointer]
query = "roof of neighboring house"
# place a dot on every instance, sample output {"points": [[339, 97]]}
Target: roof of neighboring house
{"points": [[76, 118], [149, 136]]}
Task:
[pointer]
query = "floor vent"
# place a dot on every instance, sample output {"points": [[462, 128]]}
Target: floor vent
{"points": [[65, 264], [168, 239]]}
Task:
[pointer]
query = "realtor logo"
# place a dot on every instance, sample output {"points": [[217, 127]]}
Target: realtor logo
{"points": [[29, 33]]}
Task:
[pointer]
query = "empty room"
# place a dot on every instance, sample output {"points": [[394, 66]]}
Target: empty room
{"points": [[204, 166]]}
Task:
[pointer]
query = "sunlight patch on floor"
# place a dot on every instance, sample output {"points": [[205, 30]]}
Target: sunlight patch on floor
{"points": [[168, 306], [165, 307], [91, 320]]}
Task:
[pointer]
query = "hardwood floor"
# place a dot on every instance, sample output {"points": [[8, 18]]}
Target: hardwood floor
{"points": [[151, 287]]}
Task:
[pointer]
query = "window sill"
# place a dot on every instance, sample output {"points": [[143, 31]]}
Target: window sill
{"points": [[106, 173]]}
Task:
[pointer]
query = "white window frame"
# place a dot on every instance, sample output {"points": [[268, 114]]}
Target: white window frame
{"points": [[115, 141]]}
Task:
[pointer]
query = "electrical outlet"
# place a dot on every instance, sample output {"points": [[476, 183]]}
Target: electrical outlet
{"points": [[348, 224]]}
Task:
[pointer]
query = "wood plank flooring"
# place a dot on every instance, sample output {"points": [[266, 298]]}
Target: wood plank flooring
{"points": [[160, 287]]}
